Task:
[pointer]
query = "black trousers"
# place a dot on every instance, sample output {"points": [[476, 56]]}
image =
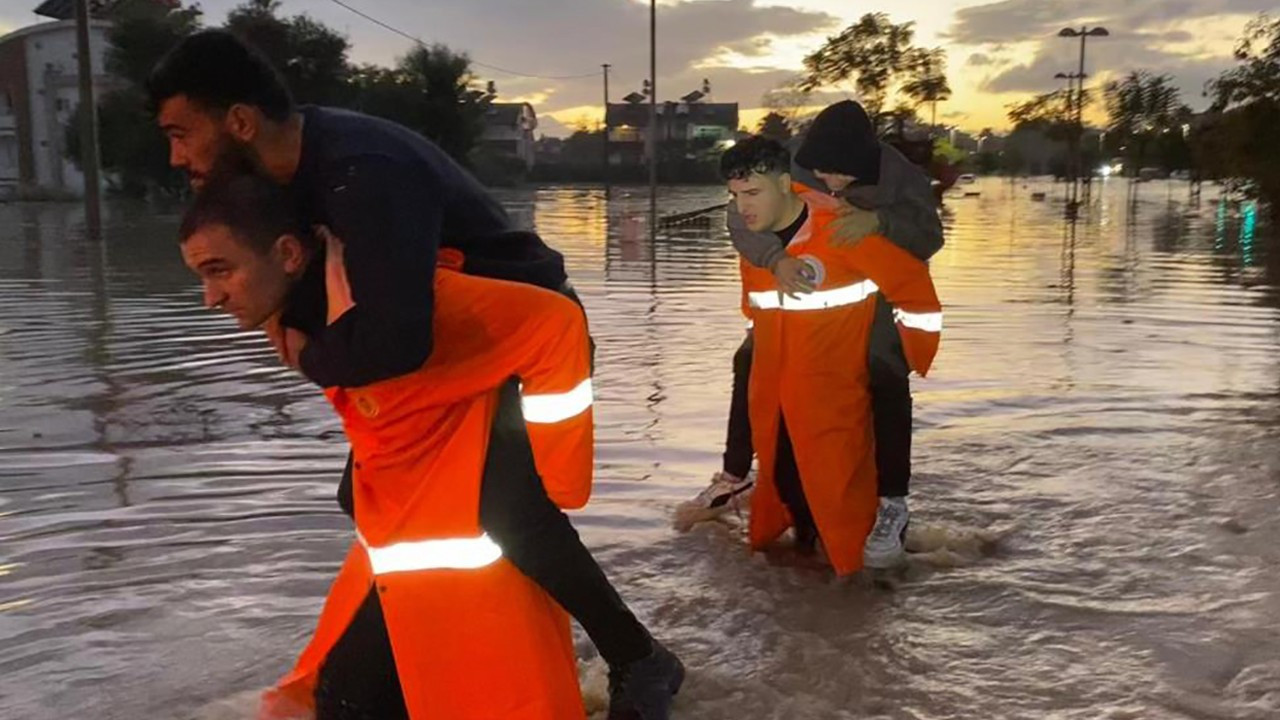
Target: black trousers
{"points": [[890, 407], [358, 680], [537, 537], [534, 534], [738, 447], [786, 478]]}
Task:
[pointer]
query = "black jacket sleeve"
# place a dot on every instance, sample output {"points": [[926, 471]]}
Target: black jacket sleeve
{"points": [[389, 216]]}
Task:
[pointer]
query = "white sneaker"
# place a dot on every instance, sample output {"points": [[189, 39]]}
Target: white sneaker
{"points": [[884, 547], [725, 493]]}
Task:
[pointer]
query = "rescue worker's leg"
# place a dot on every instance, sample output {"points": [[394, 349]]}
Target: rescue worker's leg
{"points": [[537, 537], [787, 479], [891, 413], [738, 450], [358, 680], [730, 489], [890, 404]]}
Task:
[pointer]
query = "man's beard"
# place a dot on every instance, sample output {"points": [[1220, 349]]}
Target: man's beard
{"points": [[233, 159]]}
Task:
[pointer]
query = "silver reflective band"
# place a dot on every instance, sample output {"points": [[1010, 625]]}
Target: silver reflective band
{"points": [[928, 322], [554, 407], [817, 300], [451, 554]]}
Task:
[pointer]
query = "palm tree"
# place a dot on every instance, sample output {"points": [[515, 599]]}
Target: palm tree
{"points": [[1142, 107], [928, 81]]}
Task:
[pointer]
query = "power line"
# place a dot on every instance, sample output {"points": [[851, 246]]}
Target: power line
{"points": [[495, 68]]}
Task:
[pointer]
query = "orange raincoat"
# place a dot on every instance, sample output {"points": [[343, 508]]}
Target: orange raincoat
{"points": [[809, 364], [472, 636]]}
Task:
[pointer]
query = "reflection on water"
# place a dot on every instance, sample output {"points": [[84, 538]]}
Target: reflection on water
{"points": [[1105, 404]]}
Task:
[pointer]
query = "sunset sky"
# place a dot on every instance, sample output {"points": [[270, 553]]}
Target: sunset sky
{"points": [[999, 52]]}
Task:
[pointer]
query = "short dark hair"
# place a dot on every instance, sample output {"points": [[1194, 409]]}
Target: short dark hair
{"points": [[216, 70], [252, 207], [756, 154]]}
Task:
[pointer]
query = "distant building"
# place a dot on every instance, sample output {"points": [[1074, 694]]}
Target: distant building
{"points": [[690, 119], [39, 90], [508, 130]]}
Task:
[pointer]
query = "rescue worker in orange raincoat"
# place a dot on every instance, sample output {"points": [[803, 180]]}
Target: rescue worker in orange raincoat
{"points": [[426, 619], [399, 202], [809, 396]]}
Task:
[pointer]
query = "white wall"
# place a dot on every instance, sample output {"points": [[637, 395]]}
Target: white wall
{"points": [[55, 47]]}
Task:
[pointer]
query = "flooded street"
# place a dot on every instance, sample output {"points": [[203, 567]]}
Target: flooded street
{"points": [[1095, 501]]}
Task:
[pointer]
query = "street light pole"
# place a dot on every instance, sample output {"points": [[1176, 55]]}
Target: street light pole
{"points": [[1074, 104], [1083, 33], [604, 160], [1074, 101], [1080, 79]]}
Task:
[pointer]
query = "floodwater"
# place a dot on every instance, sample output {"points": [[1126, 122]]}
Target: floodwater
{"points": [[1095, 498]]}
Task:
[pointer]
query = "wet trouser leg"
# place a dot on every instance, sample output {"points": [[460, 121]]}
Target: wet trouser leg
{"points": [[790, 490], [738, 449], [537, 537], [358, 680], [890, 403]]}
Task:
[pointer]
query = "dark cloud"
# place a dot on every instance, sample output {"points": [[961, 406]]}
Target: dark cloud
{"points": [[991, 59], [568, 37], [561, 37], [1021, 20], [1013, 20], [1172, 36], [1139, 40], [1111, 57]]}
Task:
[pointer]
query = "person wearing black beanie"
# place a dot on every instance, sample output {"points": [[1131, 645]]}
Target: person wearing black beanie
{"points": [[888, 195], [842, 141]]}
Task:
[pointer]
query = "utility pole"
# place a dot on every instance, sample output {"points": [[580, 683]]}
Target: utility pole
{"points": [[604, 159], [1083, 33], [89, 160], [653, 116]]}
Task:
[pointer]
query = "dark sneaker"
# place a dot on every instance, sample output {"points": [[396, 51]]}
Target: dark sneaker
{"points": [[645, 689], [806, 539]]}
